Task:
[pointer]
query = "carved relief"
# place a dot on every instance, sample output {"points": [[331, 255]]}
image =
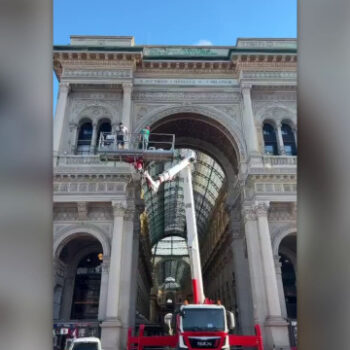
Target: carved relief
{"points": [[89, 187], [96, 73], [94, 110]]}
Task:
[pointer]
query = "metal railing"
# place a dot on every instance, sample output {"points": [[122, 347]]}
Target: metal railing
{"points": [[109, 142]]}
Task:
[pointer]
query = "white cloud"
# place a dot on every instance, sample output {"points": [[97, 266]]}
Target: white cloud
{"points": [[204, 42]]}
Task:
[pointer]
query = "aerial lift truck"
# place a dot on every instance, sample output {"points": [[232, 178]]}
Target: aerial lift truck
{"points": [[202, 325]]}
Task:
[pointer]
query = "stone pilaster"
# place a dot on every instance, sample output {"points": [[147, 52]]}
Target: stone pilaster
{"points": [[103, 289], [248, 120], [254, 263], [59, 115], [276, 327], [126, 118], [111, 327]]}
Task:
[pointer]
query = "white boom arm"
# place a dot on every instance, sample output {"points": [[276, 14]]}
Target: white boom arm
{"points": [[191, 224]]}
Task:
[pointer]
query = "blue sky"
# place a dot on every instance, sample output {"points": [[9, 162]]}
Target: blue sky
{"points": [[177, 22]]}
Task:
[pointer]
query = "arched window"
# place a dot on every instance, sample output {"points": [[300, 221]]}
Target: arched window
{"points": [[288, 140], [270, 140], [84, 138], [103, 127], [87, 288]]}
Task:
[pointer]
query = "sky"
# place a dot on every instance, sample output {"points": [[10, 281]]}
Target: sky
{"points": [[177, 22]]}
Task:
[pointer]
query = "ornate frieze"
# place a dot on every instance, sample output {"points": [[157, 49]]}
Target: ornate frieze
{"points": [[269, 75], [71, 73], [186, 82], [269, 187], [180, 96], [89, 187]]}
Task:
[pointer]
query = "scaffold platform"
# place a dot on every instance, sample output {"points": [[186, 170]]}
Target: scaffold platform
{"points": [[133, 146]]}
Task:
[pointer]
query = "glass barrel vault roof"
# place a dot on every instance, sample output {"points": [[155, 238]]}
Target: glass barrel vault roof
{"points": [[166, 214]]}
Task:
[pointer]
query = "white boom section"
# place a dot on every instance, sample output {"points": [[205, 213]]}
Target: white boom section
{"points": [[170, 173], [192, 236]]}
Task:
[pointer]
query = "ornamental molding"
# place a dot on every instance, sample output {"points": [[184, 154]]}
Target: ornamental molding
{"points": [[267, 44], [269, 75], [185, 82], [273, 95], [98, 96], [275, 188], [94, 110], [224, 120], [275, 111], [71, 73], [89, 187], [180, 96]]}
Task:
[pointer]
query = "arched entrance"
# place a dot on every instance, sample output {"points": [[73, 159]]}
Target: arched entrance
{"points": [[215, 174], [78, 261]]}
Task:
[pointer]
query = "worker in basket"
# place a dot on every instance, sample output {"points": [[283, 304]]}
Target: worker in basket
{"points": [[122, 131], [144, 137]]}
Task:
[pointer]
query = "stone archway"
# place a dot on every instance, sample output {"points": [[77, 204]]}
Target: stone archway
{"points": [[218, 136], [69, 251]]}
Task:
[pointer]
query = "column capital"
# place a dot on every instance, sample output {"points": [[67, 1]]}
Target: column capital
{"points": [[248, 213], [262, 209], [119, 208], [246, 87], [64, 87], [72, 125], [127, 88]]}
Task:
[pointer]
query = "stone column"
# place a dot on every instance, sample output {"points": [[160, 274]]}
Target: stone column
{"points": [[276, 326], [111, 327], [59, 115], [126, 117], [243, 287], [248, 120], [128, 276], [254, 262], [93, 138], [103, 289], [280, 286], [280, 142]]}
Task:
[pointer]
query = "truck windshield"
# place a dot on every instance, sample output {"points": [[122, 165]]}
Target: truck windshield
{"points": [[203, 320], [85, 346]]}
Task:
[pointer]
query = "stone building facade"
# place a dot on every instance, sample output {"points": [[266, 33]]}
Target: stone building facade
{"points": [[237, 106]]}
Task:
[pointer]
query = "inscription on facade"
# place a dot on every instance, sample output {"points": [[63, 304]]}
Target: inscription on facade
{"points": [[186, 82]]}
